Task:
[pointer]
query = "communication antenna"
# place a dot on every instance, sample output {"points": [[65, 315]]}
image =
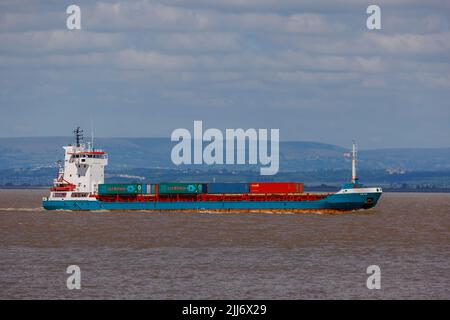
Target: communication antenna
{"points": [[354, 155], [92, 133]]}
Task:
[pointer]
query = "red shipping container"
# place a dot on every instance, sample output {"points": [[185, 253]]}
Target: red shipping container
{"points": [[276, 187]]}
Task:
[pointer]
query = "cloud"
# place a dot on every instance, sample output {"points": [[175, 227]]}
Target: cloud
{"points": [[144, 15], [412, 43], [291, 5], [197, 42], [434, 80], [309, 66], [58, 41]]}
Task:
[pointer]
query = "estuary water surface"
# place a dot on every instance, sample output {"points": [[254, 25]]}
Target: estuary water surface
{"points": [[226, 256]]}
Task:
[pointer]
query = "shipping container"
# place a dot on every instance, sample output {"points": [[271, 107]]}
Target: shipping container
{"points": [[276, 187], [216, 188], [174, 188], [120, 188]]}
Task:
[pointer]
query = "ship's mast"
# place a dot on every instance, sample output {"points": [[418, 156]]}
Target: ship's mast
{"points": [[354, 152], [78, 136]]}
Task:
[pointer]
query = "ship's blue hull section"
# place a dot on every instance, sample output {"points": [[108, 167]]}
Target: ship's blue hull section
{"points": [[332, 202]]}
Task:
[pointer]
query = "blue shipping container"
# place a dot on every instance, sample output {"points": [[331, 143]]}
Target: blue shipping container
{"points": [[214, 188]]}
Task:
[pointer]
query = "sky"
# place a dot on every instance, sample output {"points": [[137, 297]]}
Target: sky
{"points": [[311, 69]]}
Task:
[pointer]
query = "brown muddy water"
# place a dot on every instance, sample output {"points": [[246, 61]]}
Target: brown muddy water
{"points": [[226, 256]]}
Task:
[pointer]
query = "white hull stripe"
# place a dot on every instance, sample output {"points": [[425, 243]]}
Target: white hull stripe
{"points": [[361, 190]]}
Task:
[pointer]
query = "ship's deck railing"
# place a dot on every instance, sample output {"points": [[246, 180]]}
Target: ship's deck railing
{"points": [[212, 197]]}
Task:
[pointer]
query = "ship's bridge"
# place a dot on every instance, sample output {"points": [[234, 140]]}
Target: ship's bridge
{"points": [[89, 154], [89, 157]]}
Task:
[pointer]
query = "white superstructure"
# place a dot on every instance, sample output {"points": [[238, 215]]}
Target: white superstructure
{"points": [[82, 171]]}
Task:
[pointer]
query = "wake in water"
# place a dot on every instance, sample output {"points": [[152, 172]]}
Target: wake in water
{"points": [[22, 209]]}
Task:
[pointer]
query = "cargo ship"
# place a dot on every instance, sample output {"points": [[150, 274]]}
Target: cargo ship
{"points": [[80, 186]]}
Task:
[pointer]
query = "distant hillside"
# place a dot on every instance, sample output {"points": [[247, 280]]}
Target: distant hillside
{"points": [[129, 153]]}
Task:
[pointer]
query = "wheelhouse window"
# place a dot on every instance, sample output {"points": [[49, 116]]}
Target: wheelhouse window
{"points": [[59, 194], [80, 195]]}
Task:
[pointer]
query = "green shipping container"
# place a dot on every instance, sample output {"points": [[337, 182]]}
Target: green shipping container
{"points": [[174, 188], [120, 188]]}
